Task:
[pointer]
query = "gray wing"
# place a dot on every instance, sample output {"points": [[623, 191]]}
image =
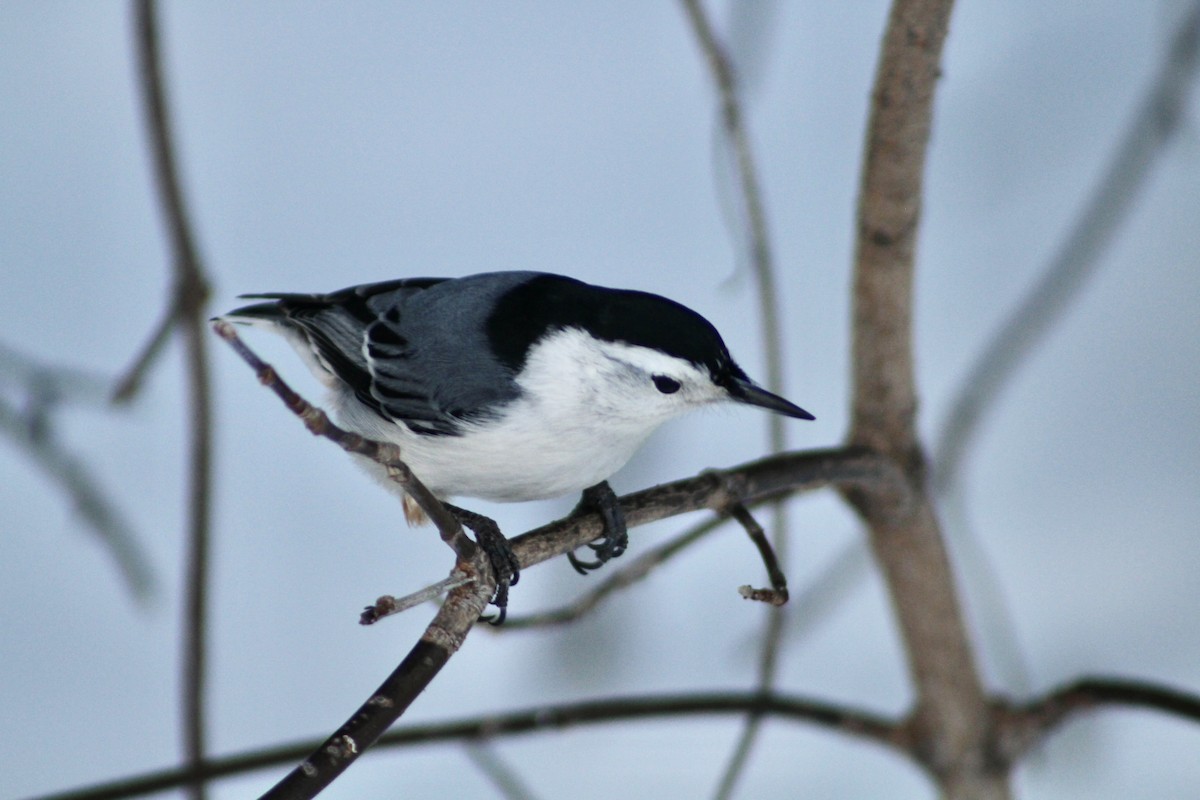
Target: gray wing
{"points": [[411, 350]]}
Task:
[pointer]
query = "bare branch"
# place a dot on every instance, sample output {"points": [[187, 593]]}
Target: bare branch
{"points": [[387, 605], [130, 382], [850, 721], [617, 578], [442, 638], [754, 483], [189, 297], [1153, 126], [777, 595], [1024, 725], [767, 479], [888, 215], [758, 242], [637, 569], [761, 481], [951, 715], [764, 480], [1155, 122], [761, 258]]}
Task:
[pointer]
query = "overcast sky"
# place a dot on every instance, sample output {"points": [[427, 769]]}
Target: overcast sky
{"points": [[329, 144]]}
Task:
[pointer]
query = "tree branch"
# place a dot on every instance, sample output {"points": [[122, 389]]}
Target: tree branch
{"points": [[717, 490], [777, 595], [189, 297], [762, 263], [759, 481], [767, 479], [130, 382], [951, 714], [29, 422], [1025, 725], [617, 577], [442, 638], [842, 719]]}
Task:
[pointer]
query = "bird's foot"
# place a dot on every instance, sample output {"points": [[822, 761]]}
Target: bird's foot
{"points": [[603, 500], [499, 552]]}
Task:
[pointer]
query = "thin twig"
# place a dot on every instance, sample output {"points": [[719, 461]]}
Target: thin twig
{"points": [[777, 595], [768, 479], [630, 573], [130, 382], [849, 721], [1158, 117], [387, 605], [762, 262], [189, 297]]}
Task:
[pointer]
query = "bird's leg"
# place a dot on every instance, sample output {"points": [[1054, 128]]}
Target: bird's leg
{"points": [[603, 500], [498, 550]]}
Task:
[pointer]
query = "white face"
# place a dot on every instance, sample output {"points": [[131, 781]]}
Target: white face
{"points": [[570, 373]]}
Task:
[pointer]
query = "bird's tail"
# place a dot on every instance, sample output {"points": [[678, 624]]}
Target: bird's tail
{"points": [[413, 513]]}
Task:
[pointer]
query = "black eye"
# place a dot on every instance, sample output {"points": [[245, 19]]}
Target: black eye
{"points": [[666, 385]]}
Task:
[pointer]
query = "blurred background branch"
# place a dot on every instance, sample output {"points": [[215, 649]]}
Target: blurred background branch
{"points": [[748, 200], [1153, 126], [186, 312], [950, 716], [30, 396], [523, 123]]}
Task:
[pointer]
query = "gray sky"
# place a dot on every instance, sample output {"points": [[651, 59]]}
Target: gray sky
{"points": [[324, 145]]}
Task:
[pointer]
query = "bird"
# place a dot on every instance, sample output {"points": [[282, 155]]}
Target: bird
{"points": [[510, 386]]}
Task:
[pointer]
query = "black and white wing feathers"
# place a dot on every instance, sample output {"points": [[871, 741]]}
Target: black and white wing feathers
{"points": [[357, 335]]}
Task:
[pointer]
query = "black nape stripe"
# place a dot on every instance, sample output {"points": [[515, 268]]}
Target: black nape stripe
{"points": [[553, 302]]}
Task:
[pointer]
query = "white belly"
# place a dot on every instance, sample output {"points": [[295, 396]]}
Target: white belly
{"points": [[532, 458]]}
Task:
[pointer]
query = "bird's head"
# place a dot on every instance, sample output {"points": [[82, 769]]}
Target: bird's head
{"points": [[625, 355]]}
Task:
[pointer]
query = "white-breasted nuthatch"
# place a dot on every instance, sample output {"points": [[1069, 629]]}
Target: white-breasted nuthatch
{"points": [[510, 386]]}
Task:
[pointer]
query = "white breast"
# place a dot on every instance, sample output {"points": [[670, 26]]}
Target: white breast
{"points": [[586, 407]]}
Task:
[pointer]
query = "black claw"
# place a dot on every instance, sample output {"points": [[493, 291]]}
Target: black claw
{"points": [[499, 552], [581, 566], [602, 499], [500, 601]]}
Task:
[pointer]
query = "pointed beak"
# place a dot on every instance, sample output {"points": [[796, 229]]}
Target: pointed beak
{"points": [[745, 391]]}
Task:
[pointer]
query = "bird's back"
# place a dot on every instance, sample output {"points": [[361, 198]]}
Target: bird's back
{"points": [[413, 350]]}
